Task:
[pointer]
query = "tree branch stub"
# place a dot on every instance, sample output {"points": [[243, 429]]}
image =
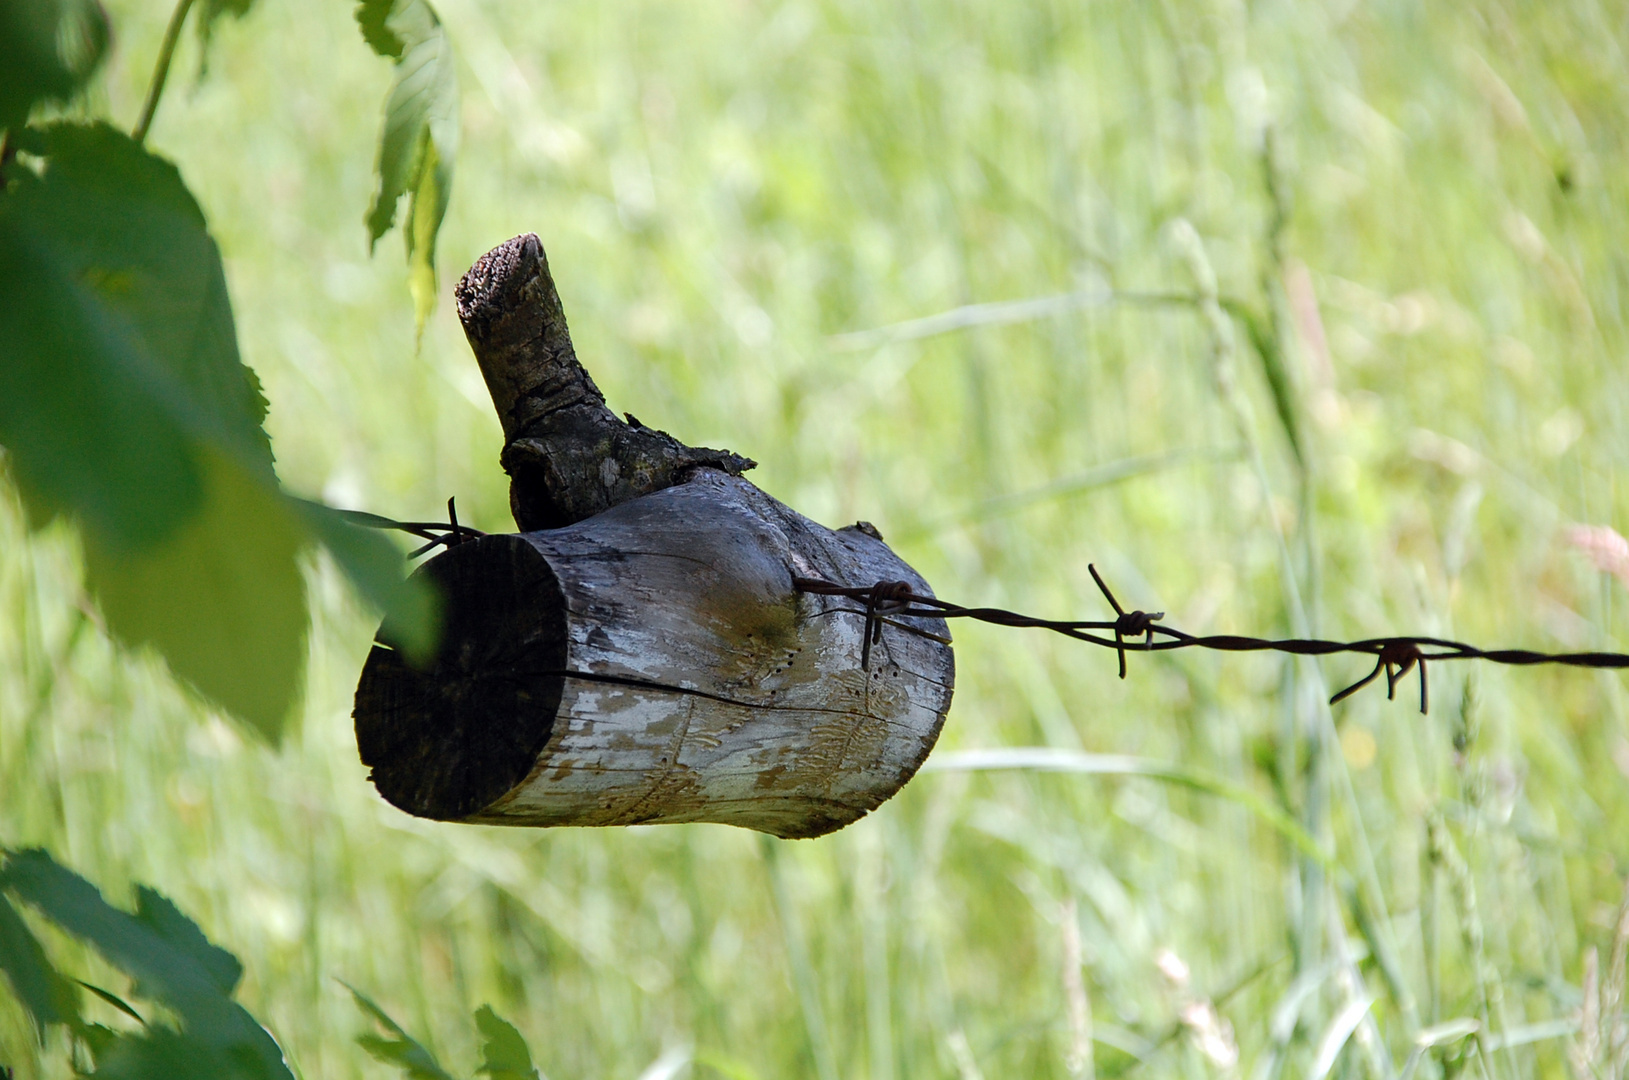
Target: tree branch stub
{"points": [[568, 456], [638, 652]]}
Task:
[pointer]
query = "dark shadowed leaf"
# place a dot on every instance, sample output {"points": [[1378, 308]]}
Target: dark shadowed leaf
{"points": [[400, 1049], [122, 223], [50, 47], [161, 1053], [373, 17], [46, 996], [379, 572], [165, 919], [504, 1054], [123, 403], [85, 422], [171, 962], [420, 136]]}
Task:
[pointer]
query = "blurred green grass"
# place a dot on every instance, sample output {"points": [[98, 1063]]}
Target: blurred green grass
{"points": [[725, 188]]}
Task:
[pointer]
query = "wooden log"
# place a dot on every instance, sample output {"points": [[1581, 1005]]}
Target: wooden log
{"points": [[645, 657]]}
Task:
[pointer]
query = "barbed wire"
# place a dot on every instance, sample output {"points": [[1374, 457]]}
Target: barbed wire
{"points": [[436, 534], [886, 602]]}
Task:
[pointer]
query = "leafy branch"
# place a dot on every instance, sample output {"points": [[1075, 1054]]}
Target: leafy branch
{"points": [[125, 407]]}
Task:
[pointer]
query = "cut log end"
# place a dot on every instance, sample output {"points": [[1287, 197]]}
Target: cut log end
{"points": [[654, 664], [449, 738], [638, 653]]}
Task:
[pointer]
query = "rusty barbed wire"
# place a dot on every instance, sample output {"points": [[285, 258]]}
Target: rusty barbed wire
{"points": [[886, 602], [889, 601]]}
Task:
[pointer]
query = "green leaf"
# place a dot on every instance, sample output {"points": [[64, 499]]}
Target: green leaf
{"points": [[50, 47], [86, 418], [427, 208], [222, 598], [46, 996], [420, 135], [124, 403], [171, 962], [121, 221], [165, 919], [114, 1000], [504, 1054], [379, 572], [373, 17], [161, 1053], [401, 1049]]}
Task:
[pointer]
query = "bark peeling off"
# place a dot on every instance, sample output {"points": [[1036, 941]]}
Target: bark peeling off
{"points": [[703, 688]]}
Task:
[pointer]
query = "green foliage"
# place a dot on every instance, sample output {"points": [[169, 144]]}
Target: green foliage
{"points": [[373, 566], [170, 961], [50, 47], [420, 134], [124, 404], [47, 997], [222, 598], [504, 1054], [726, 188], [128, 408], [398, 1048]]}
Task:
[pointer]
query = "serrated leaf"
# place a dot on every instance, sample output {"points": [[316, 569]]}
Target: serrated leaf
{"points": [[123, 403], [401, 1049], [504, 1054], [420, 136], [46, 996], [83, 411], [218, 1038], [122, 222], [155, 910], [379, 572], [50, 47]]}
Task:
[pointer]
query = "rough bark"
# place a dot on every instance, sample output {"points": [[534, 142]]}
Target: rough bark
{"points": [[694, 683], [568, 456], [638, 653]]}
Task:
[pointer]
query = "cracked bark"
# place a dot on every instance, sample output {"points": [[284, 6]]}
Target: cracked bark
{"points": [[637, 653], [568, 456]]}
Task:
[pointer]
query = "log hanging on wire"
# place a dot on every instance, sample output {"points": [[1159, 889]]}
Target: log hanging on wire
{"points": [[638, 653]]}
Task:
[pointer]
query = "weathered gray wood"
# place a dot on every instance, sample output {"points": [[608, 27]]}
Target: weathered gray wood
{"points": [[706, 689], [644, 657]]}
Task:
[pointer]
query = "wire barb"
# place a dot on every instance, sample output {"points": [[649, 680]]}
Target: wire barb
{"points": [[1395, 656], [433, 533]]}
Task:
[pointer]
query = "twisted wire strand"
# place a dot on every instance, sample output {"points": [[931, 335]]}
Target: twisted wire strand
{"points": [[887, 602], [1394, 657], [433, 532]]}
